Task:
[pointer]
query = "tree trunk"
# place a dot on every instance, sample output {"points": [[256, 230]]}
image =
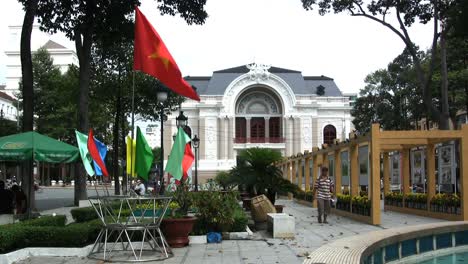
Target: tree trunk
{"points": [[445, 115], [28, 94], [83, 49], [124, 154], [115, 159]]}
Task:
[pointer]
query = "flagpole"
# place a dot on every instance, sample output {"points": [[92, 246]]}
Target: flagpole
{"points": [[133, 129]]}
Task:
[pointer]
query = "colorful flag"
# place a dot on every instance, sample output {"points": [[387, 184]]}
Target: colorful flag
{"points": [[82, 139], [131, 146], [143, 156], [151, 56], [95, 154], [181, 157]]}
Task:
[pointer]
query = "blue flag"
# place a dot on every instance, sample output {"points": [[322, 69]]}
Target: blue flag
{"points": [[102, 148]]}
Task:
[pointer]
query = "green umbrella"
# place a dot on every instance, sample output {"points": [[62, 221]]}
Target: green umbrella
{"points": [[32, 145]]}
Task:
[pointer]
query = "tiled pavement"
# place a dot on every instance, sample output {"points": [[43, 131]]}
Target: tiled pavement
{"points": [[309, 236]]}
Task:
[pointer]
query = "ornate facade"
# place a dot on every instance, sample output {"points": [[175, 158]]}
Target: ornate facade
{"points": [[261, 106]]}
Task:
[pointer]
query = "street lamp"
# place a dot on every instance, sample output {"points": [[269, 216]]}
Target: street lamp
{"points": [[196, 144], [162, 97], [181, 120]]}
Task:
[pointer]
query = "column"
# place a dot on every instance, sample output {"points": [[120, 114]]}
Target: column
{"points": [[230, 137], [386, 173], [307, 172], [405, 156], [203, 140], [464, 172], [317, 159], [354, 164], [337, 172], [299, 167], [247, 129], [431, 180], [267, 129], [293, 171], [222, 142], [297, 135], [374, 194]]}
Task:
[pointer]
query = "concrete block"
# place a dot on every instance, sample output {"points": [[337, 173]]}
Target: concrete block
{"points": [[7, 219], [197, 240], [84, 203], [281, 225]]}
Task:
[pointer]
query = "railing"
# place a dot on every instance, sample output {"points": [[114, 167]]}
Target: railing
{"points": [[243, 140]]}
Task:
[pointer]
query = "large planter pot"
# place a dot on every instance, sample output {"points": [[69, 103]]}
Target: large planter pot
{"points": [[279, 208], [177, 230]]}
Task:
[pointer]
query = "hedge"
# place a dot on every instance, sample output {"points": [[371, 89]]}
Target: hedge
{"points": [[16, 236], [58, 220]]}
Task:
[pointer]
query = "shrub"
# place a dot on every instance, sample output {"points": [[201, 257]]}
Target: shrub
{"points": [[58, 220], [216, 211], [240, 221], [18, 235], [83, 214]]}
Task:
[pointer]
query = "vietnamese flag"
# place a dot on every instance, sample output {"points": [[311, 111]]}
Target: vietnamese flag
{"points": [[151, 56], [94, 152], [181, 157]]}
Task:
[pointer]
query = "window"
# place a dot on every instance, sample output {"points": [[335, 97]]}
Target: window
{"points": [[329, 134], [275, 127], [240, 130], [257, 129]]}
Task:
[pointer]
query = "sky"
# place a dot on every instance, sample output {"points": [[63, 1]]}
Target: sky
{"points": [[279, 33]]}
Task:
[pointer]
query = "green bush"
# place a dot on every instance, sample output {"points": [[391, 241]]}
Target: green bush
{"points": [[83, 214], [18, 235], [217, 211], [58, 220], [240, 221]]}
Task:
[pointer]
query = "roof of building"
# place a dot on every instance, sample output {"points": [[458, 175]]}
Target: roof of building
{"points": [[6, 96], [220, 80], [53, 45]]}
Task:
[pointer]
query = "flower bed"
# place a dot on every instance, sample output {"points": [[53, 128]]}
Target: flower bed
{"points": [[361, 205], [445, 203], [343, 202], [394, 199], [416, 201], [304, 196]]}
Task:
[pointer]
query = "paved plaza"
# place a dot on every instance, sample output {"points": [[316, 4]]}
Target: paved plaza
{"points": [[310, 235]]}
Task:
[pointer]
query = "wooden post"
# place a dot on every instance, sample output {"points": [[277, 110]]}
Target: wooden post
{"points": [[317, 160], [299, 174], [307, 172], [375, 174], [431, 180], [405, 172], [293, 174], [288, 175], [354, 164], [464, 172], [386, 173], [338, 173]]}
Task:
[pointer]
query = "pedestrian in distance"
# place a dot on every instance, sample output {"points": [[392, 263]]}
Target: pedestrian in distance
{"points": [[323, 189]]}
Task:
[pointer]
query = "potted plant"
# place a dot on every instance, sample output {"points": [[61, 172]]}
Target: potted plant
{"points": [[179, 224]]}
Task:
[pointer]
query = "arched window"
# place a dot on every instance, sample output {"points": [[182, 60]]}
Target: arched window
{"points": [[329, 134]]}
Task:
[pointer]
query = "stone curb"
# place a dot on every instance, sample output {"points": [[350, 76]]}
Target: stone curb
{"points": [[25, 253]]}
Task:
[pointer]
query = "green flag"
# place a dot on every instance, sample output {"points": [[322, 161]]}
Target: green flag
{"points": [[174, 164], [143, 156], [82, 141]]}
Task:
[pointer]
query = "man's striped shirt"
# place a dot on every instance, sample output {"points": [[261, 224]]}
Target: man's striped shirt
{"points": [[323, 188]]}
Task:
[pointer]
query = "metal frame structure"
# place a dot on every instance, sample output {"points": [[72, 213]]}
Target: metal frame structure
{"points": [[138, 233]]}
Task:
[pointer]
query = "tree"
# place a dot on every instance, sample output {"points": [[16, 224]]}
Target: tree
{"points": [[259, 174], [406, 13], [86, 22]]}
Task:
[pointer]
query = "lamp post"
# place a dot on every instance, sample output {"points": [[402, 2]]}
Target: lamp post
{"points": [[162, 97], [196, 144]]}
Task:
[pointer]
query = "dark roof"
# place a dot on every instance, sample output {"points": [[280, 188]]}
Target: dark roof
{"points": [[53, 45], [217, 84], [6, 96]]}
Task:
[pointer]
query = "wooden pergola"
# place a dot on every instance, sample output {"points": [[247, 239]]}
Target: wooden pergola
{"points": [[379, 144]]}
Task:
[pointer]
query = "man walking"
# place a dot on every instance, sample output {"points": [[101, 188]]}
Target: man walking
{"points": [[322, 191]]}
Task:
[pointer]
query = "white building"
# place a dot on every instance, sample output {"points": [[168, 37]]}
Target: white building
{"points": [[7, 106], [61, 55], [261, 106]]}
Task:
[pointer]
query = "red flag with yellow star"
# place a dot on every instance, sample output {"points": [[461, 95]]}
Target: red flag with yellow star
{"points": [[151, 56]]}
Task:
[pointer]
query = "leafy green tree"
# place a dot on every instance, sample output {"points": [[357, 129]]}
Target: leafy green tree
{"points": [[406, 14], [7, 127], [259, 174], [89, 22], [225, 180]]}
